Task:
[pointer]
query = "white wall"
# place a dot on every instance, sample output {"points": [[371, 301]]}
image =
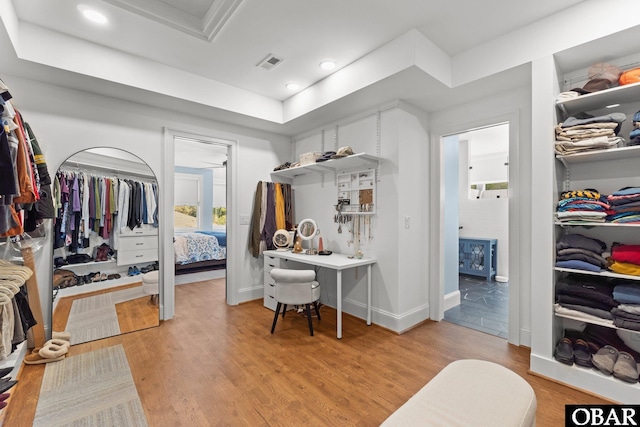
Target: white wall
{"points": [[400, 291], [483, 218], [66, 121]]}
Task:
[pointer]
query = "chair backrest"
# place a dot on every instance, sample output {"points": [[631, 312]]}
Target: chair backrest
{"points": [[295, 286]]}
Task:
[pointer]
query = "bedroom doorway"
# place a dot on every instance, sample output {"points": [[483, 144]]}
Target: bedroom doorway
{"points": [[200, 211]]}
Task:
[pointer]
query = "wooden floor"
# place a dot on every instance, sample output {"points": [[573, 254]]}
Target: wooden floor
{"points": [[215, 364], [139, 313]]}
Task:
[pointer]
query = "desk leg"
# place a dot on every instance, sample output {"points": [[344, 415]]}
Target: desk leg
{"points": [[369, 294], [339, 304]]}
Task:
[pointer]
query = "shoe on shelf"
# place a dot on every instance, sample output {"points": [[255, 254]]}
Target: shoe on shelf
{"points": [[130, 271], [5, 371], [626, 368], [582, 354], [605, 359], [564, 351], [4, 396], [136, 270]]}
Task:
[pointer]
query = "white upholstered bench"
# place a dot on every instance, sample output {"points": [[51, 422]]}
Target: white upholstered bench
{"points": [[150, 284], [470, 393]]}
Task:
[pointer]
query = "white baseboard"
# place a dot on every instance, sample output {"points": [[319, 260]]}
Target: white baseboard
{"points": [[451, 300]]}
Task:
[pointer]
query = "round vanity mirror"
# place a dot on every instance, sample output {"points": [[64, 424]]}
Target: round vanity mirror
{"points": [[307, 229]]}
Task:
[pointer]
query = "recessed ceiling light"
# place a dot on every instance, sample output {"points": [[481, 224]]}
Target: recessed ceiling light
{"points": [[328, 65], [292, 86], [92, 14]]}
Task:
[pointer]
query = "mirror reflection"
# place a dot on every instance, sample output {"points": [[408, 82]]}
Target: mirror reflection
{"points": [[307, 228], [105, 278]]}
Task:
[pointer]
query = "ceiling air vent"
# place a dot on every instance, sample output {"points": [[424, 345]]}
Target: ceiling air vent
{"points": [[269, 62]]}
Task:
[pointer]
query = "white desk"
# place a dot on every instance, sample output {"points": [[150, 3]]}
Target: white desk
{"points": [[336, 262]]}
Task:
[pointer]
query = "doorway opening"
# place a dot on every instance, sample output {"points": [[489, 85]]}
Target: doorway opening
{"points": [[476, 224], [200, 211]]}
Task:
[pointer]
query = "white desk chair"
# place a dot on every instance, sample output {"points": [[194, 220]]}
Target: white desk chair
{"points": [[295, 287]]}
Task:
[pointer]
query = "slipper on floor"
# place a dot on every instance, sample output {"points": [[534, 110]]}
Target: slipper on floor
{"points": [[64, 335], [54, 348], [35, 359]]}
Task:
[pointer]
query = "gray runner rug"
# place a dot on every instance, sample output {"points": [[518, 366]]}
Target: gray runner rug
{"points": [[93, 318], [90, 389]]}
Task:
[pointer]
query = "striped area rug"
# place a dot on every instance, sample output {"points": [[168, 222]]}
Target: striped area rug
{"points": [[93, 318], [90, 389]]}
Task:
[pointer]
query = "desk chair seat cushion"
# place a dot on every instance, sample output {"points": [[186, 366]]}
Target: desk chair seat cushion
{"points": [[295, 286]]}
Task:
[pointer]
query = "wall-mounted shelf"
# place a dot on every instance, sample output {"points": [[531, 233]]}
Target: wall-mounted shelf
{"points": [[353, 161], [601, 155], [596, 100], [603, 273]]}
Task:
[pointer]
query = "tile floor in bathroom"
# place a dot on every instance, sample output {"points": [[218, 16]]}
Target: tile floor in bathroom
{"points": [[484, 306]]}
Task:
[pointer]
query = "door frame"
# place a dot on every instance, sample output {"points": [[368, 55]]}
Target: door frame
{"points": [[436, 287], [167, 296]]}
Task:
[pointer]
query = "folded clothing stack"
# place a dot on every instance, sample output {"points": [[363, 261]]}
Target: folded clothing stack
{"points": [[627, 314], [625, 259], [586, 132], [582, 206], [624, 205], [634, 136], [580, 252], [587, 298]]}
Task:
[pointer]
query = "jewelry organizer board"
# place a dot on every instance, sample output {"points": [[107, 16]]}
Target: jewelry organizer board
{"points": [[357, 192]]}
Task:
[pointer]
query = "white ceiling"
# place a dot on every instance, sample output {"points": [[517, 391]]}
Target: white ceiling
{"points": [[302, 32], [200, 56]]}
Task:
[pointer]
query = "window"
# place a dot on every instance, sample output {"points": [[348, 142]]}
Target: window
{"points": [[187, 212]]}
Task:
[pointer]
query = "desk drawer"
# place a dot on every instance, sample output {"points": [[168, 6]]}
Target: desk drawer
{"points": [[270, 263], [269, 289], [268, 278]]}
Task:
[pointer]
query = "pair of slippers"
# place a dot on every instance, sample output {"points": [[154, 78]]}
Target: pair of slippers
{"points": [[569, 352], [53, 350], [619, 363]]}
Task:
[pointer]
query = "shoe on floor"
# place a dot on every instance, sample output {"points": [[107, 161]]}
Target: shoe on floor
{"points": [[6, 384], [4, 396], [564, 351], [582, 354], [626, 368], [5, 371], [605, 359]]}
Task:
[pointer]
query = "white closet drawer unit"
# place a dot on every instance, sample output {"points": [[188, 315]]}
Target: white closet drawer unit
{"points": [[135, 243], [269, 285], [137, 248]]}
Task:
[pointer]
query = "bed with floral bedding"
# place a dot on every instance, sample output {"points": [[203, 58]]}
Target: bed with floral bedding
{"points": [[198, 251]]}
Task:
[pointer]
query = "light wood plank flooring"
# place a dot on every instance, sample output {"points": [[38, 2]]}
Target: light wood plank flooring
{"points": [[133, 315], [218, 365]]}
